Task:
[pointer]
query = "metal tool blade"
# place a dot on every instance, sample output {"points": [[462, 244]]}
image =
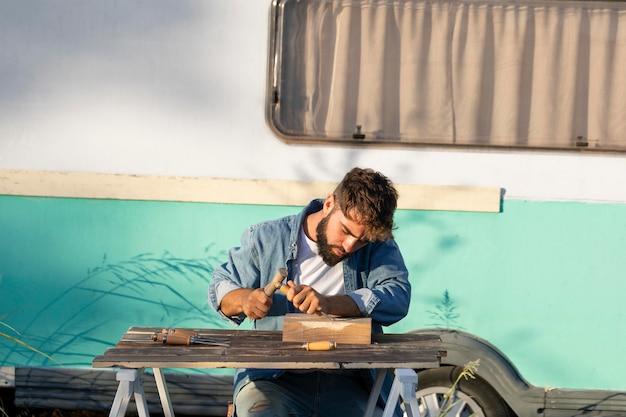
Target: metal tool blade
{"points": [[329, 317]]}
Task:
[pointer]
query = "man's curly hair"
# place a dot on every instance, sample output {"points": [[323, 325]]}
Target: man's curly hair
{"points": [[370, 199]]}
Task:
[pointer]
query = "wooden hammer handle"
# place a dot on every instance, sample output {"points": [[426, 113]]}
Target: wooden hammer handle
{"points": [[276, 282]]}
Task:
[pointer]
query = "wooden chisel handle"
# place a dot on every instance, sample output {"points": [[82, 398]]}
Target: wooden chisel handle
{"points": [[326, 345], [173, 338], [179, 332]]}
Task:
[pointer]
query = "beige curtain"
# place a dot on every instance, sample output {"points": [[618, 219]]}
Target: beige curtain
{"points": [[542, 74]]}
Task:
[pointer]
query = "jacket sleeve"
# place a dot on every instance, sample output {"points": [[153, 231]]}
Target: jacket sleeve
{"points": [[382, 289], [239, 271]]}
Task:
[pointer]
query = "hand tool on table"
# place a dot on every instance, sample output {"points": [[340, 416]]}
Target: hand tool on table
{"points": [[325, 345], [186, 337]]}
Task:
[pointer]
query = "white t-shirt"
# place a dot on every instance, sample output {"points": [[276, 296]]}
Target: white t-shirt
{"points": [[311, 269]]}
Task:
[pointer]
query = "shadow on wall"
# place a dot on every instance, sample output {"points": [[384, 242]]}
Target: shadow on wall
{"points": [[90, 316], [445, 315]]}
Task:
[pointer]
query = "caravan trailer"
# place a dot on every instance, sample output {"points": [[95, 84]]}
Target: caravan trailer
{"points": [[139, 139]]}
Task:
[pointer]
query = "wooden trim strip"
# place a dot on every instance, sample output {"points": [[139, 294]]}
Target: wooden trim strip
{"points": [[230, 191]]}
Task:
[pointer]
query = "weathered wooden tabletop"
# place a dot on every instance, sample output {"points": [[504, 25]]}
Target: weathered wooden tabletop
{"points": [[265, 349]]}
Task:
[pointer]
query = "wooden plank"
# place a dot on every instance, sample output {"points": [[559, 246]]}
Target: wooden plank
{"points": [[258, 363], [308, 328], [231, 191]]}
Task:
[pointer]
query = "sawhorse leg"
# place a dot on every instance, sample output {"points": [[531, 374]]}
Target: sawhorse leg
{"points": [[404, 385], [164, 394], [375, 393], [131, 383]]}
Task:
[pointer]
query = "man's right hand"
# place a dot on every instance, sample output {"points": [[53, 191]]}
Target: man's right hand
{"points": [[253, 303]]}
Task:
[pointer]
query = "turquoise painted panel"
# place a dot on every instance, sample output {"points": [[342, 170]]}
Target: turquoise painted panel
{"points": [[541, 281], [75, 274], [544, 282]]}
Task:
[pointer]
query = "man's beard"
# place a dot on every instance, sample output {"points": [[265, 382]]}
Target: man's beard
{"points": [[325, 250]]}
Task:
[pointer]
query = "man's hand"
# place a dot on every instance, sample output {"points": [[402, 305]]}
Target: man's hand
{"points": [[253, 303], [304, 298], [309, 301]]}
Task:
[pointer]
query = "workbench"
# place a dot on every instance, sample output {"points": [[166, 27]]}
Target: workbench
{"points": [[137, 350]]}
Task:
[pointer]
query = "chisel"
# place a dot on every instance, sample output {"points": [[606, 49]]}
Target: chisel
{"points": [[186, 337], [325, 345], [285, 289]]}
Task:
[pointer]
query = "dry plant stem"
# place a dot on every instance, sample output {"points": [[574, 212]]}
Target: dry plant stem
{"points": [[468, 372], [21, 343]]}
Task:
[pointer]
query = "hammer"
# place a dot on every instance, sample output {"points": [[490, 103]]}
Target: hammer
{"points": [[276, 282]]}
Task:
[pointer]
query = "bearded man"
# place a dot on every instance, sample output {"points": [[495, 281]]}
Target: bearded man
{"points": [[342, 260]]}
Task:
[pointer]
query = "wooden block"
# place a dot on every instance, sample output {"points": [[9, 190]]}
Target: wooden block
{"points": [[308, 328]]}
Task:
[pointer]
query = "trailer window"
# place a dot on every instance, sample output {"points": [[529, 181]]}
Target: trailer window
{"points": [[525, 74]]}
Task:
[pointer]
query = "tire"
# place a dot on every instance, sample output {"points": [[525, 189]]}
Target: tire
{"points": [[473, 397]]}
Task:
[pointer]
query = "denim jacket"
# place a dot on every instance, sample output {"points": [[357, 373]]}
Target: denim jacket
{"points": [[375, 277]]}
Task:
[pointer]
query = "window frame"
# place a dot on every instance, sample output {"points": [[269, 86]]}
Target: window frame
{"points": [[359, 138]]}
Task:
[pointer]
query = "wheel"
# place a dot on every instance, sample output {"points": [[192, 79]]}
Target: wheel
{"points": [[473, 397]]}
